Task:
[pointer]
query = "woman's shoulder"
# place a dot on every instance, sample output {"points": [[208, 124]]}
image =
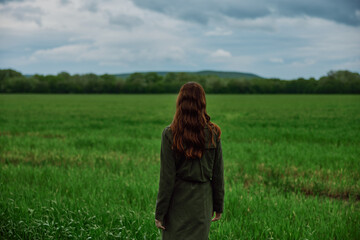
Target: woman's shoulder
{"points": [[215, 129], [167, 131]]}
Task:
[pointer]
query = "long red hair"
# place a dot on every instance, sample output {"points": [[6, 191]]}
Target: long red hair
{"points": [[189, 121]]}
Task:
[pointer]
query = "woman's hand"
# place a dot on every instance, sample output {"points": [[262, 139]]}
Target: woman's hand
{"points": [[217, 216], [159, 224]]}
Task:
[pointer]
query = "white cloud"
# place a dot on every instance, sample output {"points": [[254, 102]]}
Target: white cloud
{"points": [[107, 36], [351, 64], [218, 31], [267, 23], [303, 63], [357, 13], [74, 52], [118, 36], [220, 53], [276, 60]]}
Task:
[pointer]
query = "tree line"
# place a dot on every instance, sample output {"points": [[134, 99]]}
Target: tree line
{"points": [[14, 82]]}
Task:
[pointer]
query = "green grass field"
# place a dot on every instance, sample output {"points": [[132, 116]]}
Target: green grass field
{"points": [[87, 166]]}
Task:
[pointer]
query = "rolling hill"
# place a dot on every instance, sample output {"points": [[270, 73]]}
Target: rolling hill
{"points": [[220, 74]]}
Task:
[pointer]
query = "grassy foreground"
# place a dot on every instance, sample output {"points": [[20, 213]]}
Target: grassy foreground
{"points": [[87, 166]]}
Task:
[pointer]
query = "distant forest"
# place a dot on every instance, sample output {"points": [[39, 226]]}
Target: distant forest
{"points": [[14, 82]]}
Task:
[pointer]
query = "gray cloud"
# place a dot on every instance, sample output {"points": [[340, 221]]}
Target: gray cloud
{"points": [[25, 13], [91, 6], [15, 40], [5, 1], [269, 38], [64, 2], [202, 11], [339, 11], [127, 21]]}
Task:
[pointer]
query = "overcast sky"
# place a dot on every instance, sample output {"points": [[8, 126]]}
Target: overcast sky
{"points": [[279, 38]]}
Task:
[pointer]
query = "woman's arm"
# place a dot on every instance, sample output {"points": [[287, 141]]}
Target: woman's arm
{"points": [[218, 180], [167, 176]]}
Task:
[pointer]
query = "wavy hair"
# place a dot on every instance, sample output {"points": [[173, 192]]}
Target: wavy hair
{"points": [[190, 120]]}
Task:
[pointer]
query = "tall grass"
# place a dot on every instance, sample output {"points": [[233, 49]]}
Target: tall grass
{"points": [[87, 166]]}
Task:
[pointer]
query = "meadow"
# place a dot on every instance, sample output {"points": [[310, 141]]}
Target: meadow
{"points": [[87, 166]]}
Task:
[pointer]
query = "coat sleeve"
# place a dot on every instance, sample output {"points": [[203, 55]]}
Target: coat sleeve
{"points": [[218, 180], [167, 177]]}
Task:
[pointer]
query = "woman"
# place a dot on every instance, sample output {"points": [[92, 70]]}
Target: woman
{"points": [[191, 186]]}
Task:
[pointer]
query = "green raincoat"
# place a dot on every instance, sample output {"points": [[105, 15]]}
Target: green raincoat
{"points": [[189, 190]]}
